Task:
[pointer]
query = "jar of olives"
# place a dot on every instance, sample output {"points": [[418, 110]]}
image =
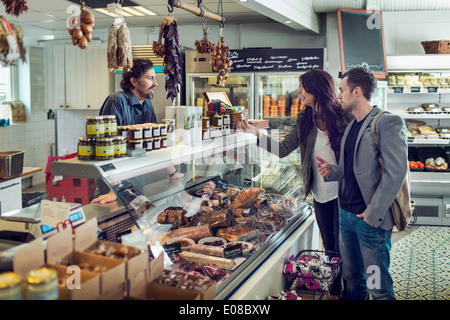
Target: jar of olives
{"points": [[95, 127], [104, 149], [120, 147], [110, 125], [86, 148]]}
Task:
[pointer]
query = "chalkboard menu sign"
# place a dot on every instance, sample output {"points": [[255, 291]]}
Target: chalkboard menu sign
{"points": [[276, 60], [361, 41]]}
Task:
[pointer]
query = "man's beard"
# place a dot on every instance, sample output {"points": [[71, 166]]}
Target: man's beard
{"points": [[147, 94]]}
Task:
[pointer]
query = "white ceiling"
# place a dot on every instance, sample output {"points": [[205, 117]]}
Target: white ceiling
{"points": [[52, 15]]}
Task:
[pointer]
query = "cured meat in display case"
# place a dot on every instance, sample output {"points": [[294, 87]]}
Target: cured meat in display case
{"points": [[233, 208]]}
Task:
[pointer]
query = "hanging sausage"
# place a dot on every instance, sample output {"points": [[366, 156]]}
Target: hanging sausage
{"points": [[119, 51]]}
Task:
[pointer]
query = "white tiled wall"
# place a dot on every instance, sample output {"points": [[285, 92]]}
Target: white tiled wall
{"points": [[34, 137], [71, 124]]}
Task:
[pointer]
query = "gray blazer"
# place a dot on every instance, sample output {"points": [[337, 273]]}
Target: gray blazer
{"points": [[378, 187]]}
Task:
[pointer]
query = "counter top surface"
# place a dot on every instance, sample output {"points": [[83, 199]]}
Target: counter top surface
{"points": [[26, 171]]}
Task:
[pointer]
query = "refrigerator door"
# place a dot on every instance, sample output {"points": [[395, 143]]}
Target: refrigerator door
{"points": [[277, 99], [380, 96], [239, 88]]}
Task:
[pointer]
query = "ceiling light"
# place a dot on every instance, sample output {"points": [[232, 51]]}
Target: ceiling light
{"points": [[243, 0], [287, 22], [104, 11], [132, 11], [146, 11]]}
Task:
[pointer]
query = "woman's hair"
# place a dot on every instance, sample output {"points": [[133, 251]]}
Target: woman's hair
{"points": [[140, 67], [321, 85]]}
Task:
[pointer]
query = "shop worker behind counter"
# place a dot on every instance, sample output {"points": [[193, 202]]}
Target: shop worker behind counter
{"points": [[366, 191], [133, 106]]}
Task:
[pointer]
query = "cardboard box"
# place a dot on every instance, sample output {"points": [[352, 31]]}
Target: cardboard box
{"points": [[58, 249], [14, 111], [89, 285], [31, 256], [158, 291], [259, 124], [86, 240]]}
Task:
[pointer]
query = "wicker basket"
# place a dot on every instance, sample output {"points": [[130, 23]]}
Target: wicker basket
{"points": [[438, 46]]}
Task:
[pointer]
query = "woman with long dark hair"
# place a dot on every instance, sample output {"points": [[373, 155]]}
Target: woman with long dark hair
{"points": [[317, 132]]}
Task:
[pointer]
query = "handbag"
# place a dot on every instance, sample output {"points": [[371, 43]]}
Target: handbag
{"points": [[402, 208]]}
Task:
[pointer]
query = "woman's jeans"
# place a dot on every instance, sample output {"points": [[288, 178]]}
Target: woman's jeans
{"points": [[365, 259], [327, 217]]}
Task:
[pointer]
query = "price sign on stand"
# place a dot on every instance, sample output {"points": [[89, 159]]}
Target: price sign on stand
{"points": [[53, 213]]}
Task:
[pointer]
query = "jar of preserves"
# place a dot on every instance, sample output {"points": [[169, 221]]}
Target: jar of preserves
{"points": [[122, 131], [163, 129], [86, 148], [163, 141], [134, 144], [134, 132], [120, 147], [205, 123], [10, 286], [147, 144], [110, 125], [226, 120], [147, 131], [218, 120], [156, 130], [156, 143], [104, 149], [95, 127], [42, 284]]}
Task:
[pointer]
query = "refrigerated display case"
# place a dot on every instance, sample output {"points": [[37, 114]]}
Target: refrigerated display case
{"points": [[239, 88], [264, 204], [278, 100]]}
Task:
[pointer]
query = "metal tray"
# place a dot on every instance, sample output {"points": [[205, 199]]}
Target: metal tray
{"points": [[11, 163]]}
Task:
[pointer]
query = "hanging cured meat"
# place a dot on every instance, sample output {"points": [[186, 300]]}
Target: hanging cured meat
{"points": [[80, 28], [172, 58], [11, 42], [119, 51], [15, 7]]}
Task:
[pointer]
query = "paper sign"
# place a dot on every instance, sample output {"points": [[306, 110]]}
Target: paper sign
{"points": [[53, 213]]}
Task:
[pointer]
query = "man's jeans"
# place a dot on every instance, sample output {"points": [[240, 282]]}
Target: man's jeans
{"points": [[365, 259]]}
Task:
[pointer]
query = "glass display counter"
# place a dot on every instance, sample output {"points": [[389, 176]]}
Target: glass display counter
{"points": [[229, 211]]}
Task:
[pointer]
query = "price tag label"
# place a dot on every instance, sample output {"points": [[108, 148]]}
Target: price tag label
{"points": [[222, 184], [172, 248], [398, 89], [247, 183], [432, 89], [415, 89], [232, 252]]}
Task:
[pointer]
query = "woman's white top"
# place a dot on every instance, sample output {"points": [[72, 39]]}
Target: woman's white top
{"points": [[323, 191]]}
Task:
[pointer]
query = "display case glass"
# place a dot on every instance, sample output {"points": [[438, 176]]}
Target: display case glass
{"points": [[277, 99], [235, 203], [239, 88]]}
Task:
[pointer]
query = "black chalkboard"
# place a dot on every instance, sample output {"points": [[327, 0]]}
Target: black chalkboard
{"points": [[361, 41], [276, 60]]}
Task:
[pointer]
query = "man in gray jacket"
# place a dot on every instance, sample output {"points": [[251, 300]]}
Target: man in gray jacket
{"points": [[366, 191]]}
